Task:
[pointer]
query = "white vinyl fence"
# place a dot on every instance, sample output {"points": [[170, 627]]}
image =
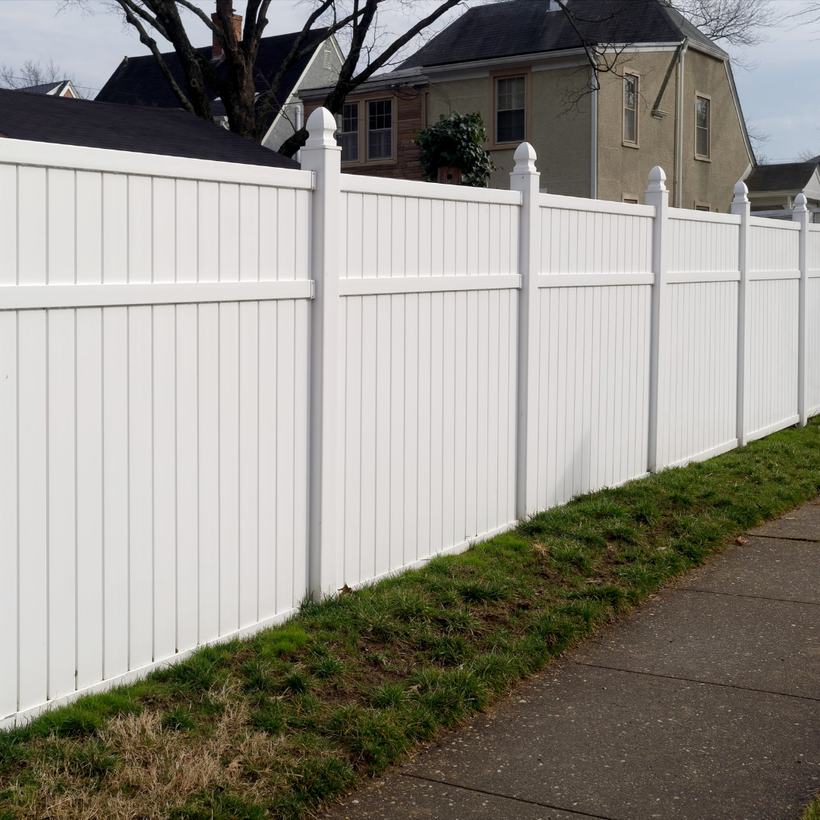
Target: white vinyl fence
{"points": [[223, 388]]}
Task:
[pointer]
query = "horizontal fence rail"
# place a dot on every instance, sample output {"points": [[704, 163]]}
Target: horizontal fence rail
{"points": [[224, 388]]}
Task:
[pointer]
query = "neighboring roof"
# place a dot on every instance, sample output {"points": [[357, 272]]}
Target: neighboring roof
{"points": [[139, 80], [788, 176], [127, 128], [529, 27], [55, 89]]}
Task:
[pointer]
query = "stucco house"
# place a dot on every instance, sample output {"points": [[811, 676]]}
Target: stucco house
{"points": [[671, 101], [139, 80]]}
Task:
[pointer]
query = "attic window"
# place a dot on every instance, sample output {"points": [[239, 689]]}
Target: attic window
{"points": [[328, 64]]}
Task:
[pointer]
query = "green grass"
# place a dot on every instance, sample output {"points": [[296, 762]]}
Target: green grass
{"points": [[812, 811], [280, 723]]}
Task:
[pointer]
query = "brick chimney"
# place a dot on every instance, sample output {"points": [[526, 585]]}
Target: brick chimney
{"points": [[237, 27]]}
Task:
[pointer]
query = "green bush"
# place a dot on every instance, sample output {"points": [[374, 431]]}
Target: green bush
{"points": [[456, 141]]}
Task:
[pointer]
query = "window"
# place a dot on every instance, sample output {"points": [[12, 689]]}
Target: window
{"points": [[348, 137], [510, 109], [380, 129], [629, 199], [702, 206], [703, 118], [631, 109]]}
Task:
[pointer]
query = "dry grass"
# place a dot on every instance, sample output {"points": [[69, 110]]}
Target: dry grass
{"points": [[156, 769]]}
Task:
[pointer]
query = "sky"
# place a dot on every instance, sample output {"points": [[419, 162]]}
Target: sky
{"points": [[780, 97]]}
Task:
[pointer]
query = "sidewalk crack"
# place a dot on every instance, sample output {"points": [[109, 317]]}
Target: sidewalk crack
{"points": [[507, 797]]}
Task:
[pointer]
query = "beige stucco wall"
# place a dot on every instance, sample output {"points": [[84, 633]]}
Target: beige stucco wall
{"points": [[559, 132], [623, 170], [712, 181]]}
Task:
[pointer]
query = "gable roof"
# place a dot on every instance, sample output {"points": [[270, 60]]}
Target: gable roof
{"points": [[139, 80], [787, 176], [529, 27], [171, 132], [52, 89]]}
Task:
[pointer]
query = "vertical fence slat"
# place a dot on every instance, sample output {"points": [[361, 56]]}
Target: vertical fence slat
{"points": [[62, 493], [9, 624]]}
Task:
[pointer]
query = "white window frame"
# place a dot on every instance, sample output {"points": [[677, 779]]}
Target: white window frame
{"points": [[707, 157], [631, 143]]}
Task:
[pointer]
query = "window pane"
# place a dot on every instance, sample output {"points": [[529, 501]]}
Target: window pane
{"points": [[703, 113], [510, 125], [380, 129], [703, 143], [629, 126], [348, 136], [630, 92]]}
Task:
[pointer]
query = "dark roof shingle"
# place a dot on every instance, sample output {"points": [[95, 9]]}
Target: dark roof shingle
{"points": [[139, 80], [787, 176], [170, 132], [528, 27]]}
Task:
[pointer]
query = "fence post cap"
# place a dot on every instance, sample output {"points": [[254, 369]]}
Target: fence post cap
{"points": [[741, 191], [800, 203], [321, 126], [657, 180], [525, 157]]}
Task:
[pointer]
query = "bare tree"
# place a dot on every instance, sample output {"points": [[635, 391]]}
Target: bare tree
{"points": [[32, 73], [233, 77], [740, 23]]}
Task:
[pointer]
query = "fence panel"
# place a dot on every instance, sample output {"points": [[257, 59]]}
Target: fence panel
{"points": [[594, 318], [813, 320], [144, 509], [699, 324], [773, 312], [428, 371]]}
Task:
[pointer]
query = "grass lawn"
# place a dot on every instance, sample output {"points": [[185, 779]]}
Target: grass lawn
{"points": [[812, 812], [276, 725]]}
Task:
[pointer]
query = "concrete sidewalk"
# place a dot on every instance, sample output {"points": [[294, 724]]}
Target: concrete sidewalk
{"points": [[705, 704]]}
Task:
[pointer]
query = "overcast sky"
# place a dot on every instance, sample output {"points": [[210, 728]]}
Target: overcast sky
{"points": [[780, 97]]}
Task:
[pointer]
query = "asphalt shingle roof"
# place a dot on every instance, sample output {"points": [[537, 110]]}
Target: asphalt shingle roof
{"points": [[171, 132], [528, 27], [788, 176], [139, 80]]}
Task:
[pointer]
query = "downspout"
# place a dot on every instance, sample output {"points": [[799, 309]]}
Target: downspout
{"points": [[593, 166], [679, 135]]}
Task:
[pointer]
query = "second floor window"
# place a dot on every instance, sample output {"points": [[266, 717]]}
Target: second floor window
{"points": [[703, 116], [510, 122], [380, 129], [631, 109]]}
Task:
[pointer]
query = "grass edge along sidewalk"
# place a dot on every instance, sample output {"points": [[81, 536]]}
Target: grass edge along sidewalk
{"points": [[278, 724]]}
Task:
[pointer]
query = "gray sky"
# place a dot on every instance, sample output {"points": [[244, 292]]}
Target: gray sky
{"points": [[781, 97]]}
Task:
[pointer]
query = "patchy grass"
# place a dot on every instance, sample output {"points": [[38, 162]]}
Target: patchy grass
{"points": [[278, 724], [812, 811]]}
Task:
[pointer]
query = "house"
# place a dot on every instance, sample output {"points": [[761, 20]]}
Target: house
{"points": [[61, 88], [171, 132], [671, 101], [773, 188], [139, 80]]}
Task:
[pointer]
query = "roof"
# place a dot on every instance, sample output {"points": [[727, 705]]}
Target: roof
{"points": [[529, 27], [127, 128], [139, 80], [788, 176], [47, 88]]}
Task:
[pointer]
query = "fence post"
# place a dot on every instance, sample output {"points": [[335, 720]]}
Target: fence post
{"points": [[741, 207], [526, 179], [323, 157], [657, 195], [800, 214]]}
